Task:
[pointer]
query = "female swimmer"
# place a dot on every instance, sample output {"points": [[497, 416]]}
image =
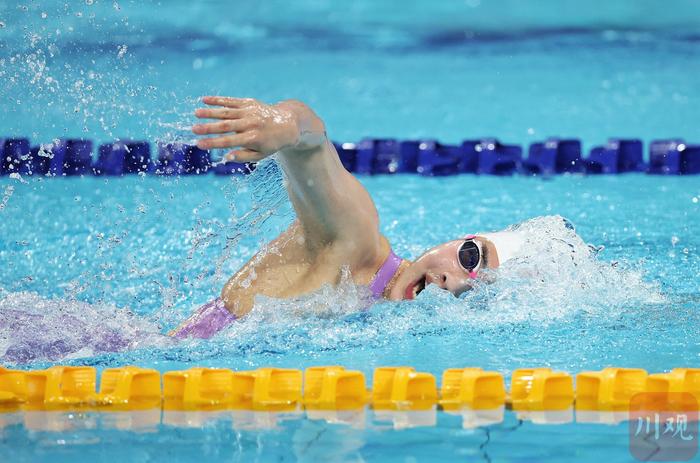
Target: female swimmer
{"points": [[336, 225]]}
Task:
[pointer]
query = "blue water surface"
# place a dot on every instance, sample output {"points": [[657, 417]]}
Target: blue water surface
{"points": [[95, 270], [451, 70]]}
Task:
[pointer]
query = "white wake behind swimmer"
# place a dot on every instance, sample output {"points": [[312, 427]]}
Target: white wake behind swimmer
{"points": [[508, 244]]}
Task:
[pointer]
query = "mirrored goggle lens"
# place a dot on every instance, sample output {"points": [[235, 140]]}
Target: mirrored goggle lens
{"points": [[469, 255]]}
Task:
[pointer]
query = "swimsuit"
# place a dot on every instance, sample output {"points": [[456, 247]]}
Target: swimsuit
{"points": [[213, 316], [208, 320], [384, 275]]}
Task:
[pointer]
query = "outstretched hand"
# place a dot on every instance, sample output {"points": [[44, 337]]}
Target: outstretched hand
{"points": [[254, 129]]}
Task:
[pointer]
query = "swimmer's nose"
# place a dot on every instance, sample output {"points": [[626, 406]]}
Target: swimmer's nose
{"points": [[455, 285], [445, 281]]}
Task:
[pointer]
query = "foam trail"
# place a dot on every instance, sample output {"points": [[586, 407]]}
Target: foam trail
{"points": [[33, 328]]}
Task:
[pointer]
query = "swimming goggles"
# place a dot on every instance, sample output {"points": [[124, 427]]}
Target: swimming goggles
{"points": [[469, 256]]}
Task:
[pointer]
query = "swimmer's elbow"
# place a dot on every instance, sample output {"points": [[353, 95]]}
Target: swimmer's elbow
{"points": [[239, 305]]}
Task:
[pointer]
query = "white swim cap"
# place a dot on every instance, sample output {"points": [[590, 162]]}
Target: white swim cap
{"points": [[507, 243]]}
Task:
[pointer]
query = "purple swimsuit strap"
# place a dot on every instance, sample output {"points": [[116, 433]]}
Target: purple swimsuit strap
{"points": [[208, 320], [384, 275]]}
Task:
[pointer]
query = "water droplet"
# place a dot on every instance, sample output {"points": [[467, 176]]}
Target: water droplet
{"points": [[44, 15], [16, 176], [674, 240], [695, 199], [89, 2]]}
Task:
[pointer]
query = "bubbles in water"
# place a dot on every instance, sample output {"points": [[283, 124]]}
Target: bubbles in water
{"points": [[18, 177]]}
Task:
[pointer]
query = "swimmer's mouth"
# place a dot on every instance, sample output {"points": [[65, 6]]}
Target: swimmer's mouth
{"points": [[414, 290]]}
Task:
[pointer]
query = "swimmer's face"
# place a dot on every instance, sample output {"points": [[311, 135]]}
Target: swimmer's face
{"points": [[440, 266]]}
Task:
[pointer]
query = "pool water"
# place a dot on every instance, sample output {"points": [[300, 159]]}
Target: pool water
{"points": [[451, 70], [80, 278], [98, 259], [95, 270], [289, 438]]}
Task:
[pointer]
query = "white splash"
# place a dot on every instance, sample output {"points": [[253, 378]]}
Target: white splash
{"points": [[34, 328]]}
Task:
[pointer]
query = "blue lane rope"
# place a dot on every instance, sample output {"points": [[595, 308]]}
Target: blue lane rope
{"points": [[486, 156]]}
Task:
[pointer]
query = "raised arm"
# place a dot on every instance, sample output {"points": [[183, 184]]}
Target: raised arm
{"points": [[330, 203], [337, 221]]}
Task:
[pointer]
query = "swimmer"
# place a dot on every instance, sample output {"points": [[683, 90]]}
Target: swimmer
{"points": [[336, 221]]}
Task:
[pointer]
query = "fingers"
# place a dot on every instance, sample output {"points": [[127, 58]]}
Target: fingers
{"points": [[244, 155], [236, 125], [233, 111], [219, 113], [229, 141], [228, 101]]}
